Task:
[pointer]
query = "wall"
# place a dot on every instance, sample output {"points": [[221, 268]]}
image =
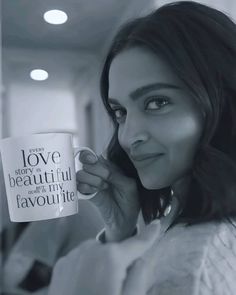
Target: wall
{"points": [[40, 106], [94, 126], [33, 108]]}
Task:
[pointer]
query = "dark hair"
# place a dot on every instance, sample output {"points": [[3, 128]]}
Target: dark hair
{"points": [[199, 43]]}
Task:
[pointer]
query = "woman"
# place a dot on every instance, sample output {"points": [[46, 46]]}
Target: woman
{"points": [[168, 84]]}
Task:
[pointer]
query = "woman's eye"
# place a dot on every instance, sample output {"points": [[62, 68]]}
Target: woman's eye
{"points": [[156, 103]]}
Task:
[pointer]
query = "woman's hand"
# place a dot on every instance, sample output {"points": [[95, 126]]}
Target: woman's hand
{"points": [[117, 197], [105, 269]]}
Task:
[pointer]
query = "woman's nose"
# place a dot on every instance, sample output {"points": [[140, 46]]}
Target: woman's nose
{"points": [[134, 133], [139, 139]]}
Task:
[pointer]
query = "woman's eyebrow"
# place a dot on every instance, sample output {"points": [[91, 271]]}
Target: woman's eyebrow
{"points": [[134, 95]]}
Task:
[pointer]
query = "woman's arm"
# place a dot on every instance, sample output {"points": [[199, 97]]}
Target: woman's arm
{"points": [[102, 269]]}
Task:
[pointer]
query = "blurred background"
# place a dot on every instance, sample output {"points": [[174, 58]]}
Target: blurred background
{"points": [[69, 50]]}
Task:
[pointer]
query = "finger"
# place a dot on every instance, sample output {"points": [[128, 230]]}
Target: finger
{"points": [[86, 157], [111, 174], [116, 176], [88, 184], [100, 167], [89, 179], [97, 169], [86, 189], [136, 279], [134, 247]]}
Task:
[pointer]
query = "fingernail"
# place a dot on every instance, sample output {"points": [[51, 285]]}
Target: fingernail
{"points": [[91, 158]]}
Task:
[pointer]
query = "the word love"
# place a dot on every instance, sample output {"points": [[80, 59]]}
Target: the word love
{"points": [[33, 159]]}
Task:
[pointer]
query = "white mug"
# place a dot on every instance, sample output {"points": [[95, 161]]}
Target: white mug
{"points": [[40, 178]]}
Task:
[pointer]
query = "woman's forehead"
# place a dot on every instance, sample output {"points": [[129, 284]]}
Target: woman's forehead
{"points": [[137, 67]]}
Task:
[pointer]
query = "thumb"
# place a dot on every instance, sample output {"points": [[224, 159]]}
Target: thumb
{"points": [[135, 247]]}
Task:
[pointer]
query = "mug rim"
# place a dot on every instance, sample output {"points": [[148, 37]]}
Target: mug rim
{"points": [[9, 138]]}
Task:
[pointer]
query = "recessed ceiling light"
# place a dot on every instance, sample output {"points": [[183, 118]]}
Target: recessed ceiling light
{"points": [[39, 75], [55, 17]]}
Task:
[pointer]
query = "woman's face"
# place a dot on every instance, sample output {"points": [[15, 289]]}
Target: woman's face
{"points": [[160, 123]]}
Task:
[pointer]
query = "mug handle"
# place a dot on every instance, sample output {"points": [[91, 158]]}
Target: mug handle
{"points": [[77, 150]]}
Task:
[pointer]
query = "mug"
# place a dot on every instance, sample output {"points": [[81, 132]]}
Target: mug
{"points": [[40, 177]]}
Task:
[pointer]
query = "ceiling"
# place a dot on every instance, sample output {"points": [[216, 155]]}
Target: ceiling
{"points": [[66, 51], [89, 24], [29, 42]]}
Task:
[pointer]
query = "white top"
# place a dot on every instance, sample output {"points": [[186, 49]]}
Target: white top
{"points": [[194, 260]]}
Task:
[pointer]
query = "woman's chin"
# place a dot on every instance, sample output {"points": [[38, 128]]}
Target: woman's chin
{"points": [[152, 184]]}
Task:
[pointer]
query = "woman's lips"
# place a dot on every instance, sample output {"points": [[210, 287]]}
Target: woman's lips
{"points": [[143, 160]]}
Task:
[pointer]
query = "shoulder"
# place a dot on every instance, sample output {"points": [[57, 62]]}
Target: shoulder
{"points": [[218, 272], [199, 259], [224, 236], [222, 243]]}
